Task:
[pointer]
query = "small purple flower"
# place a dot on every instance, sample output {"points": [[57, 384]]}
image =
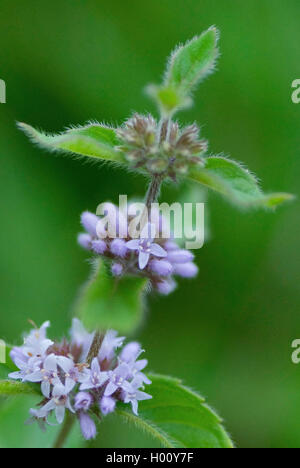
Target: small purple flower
{"points": [[95, 378], [133, 395], [72, 373], [145, 246], [107, 405], [81, 338], [59, 402], [87, 426], [27, 369], [36, 343], [110, 343], [117, 379], [83, 401], [47, 375]]}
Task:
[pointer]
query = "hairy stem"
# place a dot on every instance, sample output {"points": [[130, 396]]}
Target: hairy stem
{"points": [[95, 347], [151, 197], [153, 190], [65, 431]]}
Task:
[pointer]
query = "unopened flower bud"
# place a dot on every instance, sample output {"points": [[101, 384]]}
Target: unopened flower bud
{"points": [[117, 269], [180, 256], [83, 401], [186, 270], [118, 247], [89, 222], [99, 247], [107, 405], [130, 352], [87, 425], [161, 267], [166, 287], [85, 241]]}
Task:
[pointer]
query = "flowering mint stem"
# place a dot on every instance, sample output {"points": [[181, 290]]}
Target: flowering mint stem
{"points": [[65, 431], [153, 190], [95, 347], [151, 197]]}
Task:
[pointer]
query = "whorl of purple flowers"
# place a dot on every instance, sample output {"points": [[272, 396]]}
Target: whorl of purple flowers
{"points": [[151, 255], [69, 383]]}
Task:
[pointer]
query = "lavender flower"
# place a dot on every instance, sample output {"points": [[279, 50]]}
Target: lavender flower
{"points": [[146, 247], [94, 378], [151, 255], [59, 402], [47, 375], [69, 383], [133, 395], [83, 401]]}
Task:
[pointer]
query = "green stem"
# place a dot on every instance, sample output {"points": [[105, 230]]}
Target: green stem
{"points": [[65, 431]]}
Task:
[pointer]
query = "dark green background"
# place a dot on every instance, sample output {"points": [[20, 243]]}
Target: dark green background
{"points": [[229, 332]]}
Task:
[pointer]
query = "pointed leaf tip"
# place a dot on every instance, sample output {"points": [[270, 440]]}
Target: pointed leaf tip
{"points": [[92, 140], [236, 183]]}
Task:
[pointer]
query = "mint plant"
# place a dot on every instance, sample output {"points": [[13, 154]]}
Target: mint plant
{"points": [[86, 377]]}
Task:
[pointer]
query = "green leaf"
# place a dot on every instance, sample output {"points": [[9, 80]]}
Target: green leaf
{"points": [[236, 183], [187, 66], [177, 417], [7, 366], [93, 140], [192, 62], [10, 388], [108, 302]]}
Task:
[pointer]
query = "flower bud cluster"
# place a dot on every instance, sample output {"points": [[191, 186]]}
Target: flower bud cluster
{"points": [[163, 149]]}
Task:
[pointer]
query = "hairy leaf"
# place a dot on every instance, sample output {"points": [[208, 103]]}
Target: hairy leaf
{"points": [[192, 61], [236, 183], [93, 140], [108, 302], [177, 417]]}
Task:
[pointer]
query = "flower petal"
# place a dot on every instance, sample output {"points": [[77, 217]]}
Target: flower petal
{"points": [[143, 260], [133, 244], [158, 251]]}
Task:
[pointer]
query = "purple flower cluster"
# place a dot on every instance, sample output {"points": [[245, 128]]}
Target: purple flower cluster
{"points": [[69, 382], [151, 255]]}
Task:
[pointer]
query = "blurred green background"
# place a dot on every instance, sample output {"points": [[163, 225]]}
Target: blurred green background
{"points": [[229, 332]]}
